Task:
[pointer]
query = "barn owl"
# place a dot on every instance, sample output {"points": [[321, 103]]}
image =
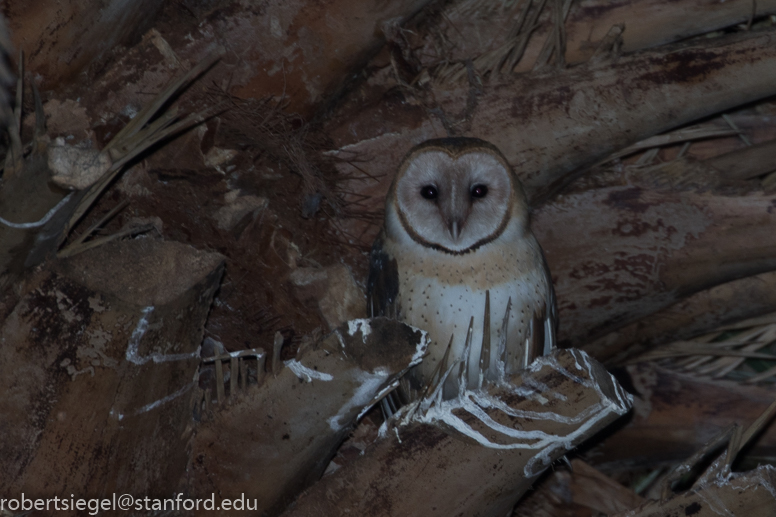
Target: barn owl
{"points": [[456, 257]]}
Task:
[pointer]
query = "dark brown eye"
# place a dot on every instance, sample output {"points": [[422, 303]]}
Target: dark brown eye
{"points": [[479, 191], [429, 192]]}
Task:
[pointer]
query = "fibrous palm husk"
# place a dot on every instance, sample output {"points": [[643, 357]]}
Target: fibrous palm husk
{"points": [[103, 356]]}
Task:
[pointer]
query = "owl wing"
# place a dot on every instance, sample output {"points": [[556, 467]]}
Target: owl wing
{"points": [[383, 282]]}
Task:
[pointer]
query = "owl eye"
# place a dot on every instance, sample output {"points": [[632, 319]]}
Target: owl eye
{"points": [[479, 191], [429, 192]]}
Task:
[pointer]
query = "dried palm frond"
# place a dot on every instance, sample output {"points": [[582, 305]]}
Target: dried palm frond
{"points": [[6, 75], [141, 133], [263, 126], [504, 58], [744, 352]]}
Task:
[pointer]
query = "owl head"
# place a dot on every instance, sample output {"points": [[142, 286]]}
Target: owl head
{"points": [[455, 195]]}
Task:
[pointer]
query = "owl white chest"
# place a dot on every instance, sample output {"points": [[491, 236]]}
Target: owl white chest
{"points": [[442, 293]]}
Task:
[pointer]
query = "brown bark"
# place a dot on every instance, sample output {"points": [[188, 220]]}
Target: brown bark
{"points": [[710, 166], [590, 487], [650, 24], [61, 38], [699, 313], [702, 311], [633, 262], [577, 491], [272, 442], [419, 469], [647, 23], [578, 117], [6, 76], [553, 125], [618, 254], [441, 43], [101, 361], [746, 163], [745, 493], [25, 198], [715, 489], [675, 414], [302, 52], [709, 140], [41, 213]]}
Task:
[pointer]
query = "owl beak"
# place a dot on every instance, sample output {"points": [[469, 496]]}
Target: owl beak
{"points": [[455, 229], [455, 210]]}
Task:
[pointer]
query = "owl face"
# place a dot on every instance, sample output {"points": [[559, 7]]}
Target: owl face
{"points": [[455, 194]]}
